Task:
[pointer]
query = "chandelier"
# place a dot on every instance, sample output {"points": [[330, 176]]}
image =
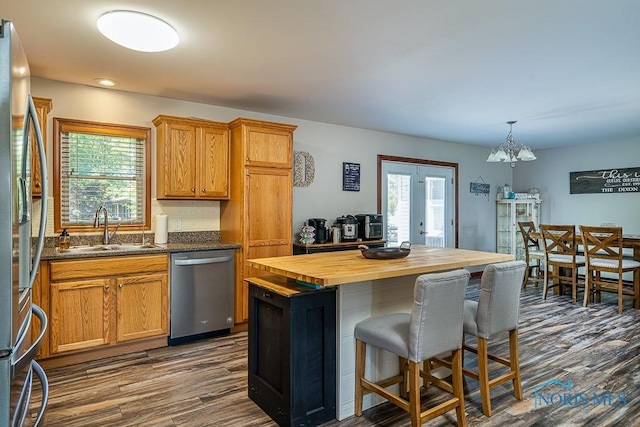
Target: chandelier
{"points": [[510, 150]]}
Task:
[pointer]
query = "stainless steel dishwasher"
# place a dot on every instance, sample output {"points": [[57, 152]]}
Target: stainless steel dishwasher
{"points": [[201, 294]]}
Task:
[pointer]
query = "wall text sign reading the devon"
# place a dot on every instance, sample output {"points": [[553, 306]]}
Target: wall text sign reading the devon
{"points": [[605, 181]]}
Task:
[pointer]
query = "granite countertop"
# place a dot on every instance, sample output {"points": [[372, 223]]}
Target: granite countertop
{"points": [[177, 242]]}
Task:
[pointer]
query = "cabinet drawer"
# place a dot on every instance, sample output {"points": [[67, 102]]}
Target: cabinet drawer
{"points": [[106, 267]]}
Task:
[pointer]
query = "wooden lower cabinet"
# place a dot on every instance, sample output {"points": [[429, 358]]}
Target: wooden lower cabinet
{"points": [[103, 302], [142, 307], [80, 312]]}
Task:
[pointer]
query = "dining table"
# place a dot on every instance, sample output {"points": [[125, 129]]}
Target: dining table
{"points": [[632, 241], [364, 288]]}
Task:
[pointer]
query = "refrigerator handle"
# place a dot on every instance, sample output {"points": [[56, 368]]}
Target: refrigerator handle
{"points": [[42, 376], [19, 364], [43, 173], [22, 407]]}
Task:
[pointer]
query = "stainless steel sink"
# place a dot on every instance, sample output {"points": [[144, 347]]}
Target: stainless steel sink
{"points": [[134, 246], [111, 247]]}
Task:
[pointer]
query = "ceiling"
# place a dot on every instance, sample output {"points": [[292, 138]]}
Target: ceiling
{"points": [[566, 70]]}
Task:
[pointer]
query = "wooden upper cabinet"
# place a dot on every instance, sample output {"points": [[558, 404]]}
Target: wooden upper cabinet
{"points": [[214, 163], [192, 159], [43, 107], [266, 144]]}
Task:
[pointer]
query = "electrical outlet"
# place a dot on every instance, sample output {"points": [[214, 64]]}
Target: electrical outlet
{"points": [[177, 224]]}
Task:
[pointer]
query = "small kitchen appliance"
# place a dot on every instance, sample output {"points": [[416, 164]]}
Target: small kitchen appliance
{"points": [[321, 229], [349, 226], [369, 226]]}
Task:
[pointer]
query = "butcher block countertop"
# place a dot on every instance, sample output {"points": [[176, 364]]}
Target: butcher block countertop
{"points": [[337, 268]]}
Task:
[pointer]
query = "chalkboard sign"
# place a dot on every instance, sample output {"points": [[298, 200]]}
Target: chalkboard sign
{"points": [[350, 176], [605, 181], [480, 188]]}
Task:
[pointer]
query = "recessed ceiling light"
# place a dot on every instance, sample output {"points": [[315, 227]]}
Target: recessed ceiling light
{"points": [[138, 31], [106, 82]]}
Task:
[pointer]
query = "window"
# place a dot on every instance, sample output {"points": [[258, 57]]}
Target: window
{"points": [[100, 164]]}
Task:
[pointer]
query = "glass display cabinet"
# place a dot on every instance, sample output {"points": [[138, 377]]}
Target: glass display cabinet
{"points": [[509, 213]]}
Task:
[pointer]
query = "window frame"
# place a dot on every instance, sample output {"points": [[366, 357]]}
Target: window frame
{"points": [[82, 126]]}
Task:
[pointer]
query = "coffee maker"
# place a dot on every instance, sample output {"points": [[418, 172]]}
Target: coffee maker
{"points": [[321, 229]]}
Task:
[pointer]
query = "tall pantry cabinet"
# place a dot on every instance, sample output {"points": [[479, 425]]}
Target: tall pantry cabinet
{"points": [[259, 212], [509, 213]]}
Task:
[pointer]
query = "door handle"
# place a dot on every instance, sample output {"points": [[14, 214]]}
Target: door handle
{"points": [[200, 261]]}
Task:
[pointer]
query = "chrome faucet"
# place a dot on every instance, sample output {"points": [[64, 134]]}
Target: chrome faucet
{"points": [[106, 238]]}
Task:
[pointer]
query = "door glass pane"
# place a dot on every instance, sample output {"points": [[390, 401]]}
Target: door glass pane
{"points": [[434, 211], [398, 208]]}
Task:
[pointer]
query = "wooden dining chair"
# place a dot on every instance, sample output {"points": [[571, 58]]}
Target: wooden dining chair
{"points": [[605, 265], [534, 256], [561, 258]]}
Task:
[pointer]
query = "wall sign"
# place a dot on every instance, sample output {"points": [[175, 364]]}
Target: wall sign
{"points": [[605, 181], [480, 188], [350, 176]]}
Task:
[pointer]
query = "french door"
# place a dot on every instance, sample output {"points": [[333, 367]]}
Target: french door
{"points": [[418, 201]]}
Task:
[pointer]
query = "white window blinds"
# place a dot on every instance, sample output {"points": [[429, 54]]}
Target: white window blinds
{"points": [[101, 169]]}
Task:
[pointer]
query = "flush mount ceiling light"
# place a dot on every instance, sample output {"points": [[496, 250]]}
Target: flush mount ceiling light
{"points": [[138, 31], [510, 150]]}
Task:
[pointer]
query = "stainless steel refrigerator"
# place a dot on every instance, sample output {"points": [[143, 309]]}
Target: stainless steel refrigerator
{"points": [[19, 258]]}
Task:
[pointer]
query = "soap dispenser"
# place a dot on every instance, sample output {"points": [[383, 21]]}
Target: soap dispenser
{"points": [[64, 240]]}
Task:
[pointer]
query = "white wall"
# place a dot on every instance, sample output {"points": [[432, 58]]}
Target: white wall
{"points": [[551, 174], [330, 145]]}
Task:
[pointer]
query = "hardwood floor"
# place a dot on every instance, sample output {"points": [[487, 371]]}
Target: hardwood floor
{"points": [[204, 383]]}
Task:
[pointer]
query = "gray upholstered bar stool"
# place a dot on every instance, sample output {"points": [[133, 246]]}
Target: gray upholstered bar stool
{"points": [[496, 311], [433, 327]]}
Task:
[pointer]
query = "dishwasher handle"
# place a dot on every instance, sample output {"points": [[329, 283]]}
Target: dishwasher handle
{"points": [[200, 261]]}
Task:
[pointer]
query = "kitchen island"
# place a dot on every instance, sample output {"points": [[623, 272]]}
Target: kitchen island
{"points": [[364, 288]]}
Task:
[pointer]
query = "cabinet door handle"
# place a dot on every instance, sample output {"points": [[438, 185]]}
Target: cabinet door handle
{"points": [[203, 190], [120, 285], [37, 185], [266, 295], [248, 159], [193, 190], [106, 287]]}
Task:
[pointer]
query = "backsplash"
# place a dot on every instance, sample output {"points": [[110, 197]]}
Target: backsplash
{"points": [[173, 237], [192, 217]]}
